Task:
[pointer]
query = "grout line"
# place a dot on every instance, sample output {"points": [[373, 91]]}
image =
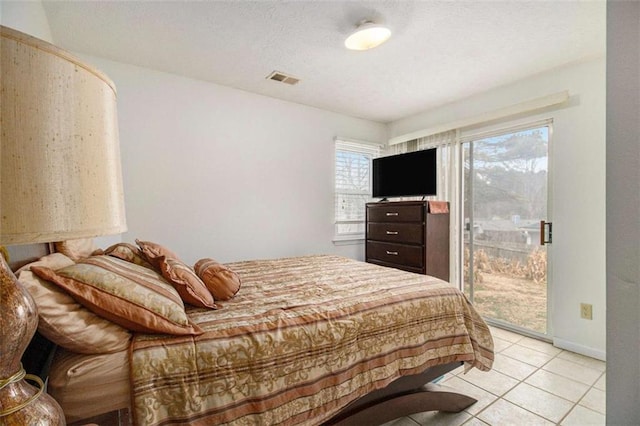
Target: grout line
{"points": [[538, 368], [581, 398], [520, 381], [411, 418]]}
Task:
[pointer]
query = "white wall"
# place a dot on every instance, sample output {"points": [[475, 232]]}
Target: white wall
{"points": [[623, 213], [26, 16], [577, 211], [211, 171]]}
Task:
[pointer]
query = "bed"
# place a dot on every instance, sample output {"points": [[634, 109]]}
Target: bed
{"points": [[306, 340]]}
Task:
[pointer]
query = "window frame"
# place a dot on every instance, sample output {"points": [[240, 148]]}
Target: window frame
{"points": [[371, 150]]}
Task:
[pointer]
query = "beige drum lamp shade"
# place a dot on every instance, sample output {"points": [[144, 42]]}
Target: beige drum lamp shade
{"points": [[60, 179], [60, 173]]}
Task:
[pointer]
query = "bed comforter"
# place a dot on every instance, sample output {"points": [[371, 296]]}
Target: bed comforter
{"points": [[303, 338]]}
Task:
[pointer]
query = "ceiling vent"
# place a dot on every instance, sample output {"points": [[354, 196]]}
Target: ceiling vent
{"points": [[283, 78]]}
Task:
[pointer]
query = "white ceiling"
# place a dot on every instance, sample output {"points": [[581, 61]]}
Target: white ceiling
{"points": [[439, 52]]}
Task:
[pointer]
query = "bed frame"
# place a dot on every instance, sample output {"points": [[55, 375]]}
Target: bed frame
{"points": [[404, 396]]}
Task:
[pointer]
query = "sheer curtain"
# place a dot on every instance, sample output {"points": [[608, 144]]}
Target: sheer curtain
{"points": [[448, 187]]}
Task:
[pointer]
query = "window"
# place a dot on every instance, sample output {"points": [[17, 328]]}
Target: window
{"points": [[353, 187]]}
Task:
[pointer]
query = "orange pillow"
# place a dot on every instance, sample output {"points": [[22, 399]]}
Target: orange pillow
{"points": [[190, 288], [153, 252], [222, 282], [186, 282], [128, 252]]}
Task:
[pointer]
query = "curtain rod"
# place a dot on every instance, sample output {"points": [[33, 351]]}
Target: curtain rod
{"points": [[526, 106]]}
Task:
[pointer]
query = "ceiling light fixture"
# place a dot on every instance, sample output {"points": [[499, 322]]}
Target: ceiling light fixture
{"points": [[367, 36]]}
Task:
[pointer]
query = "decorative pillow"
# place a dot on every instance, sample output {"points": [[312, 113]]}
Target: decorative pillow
{"points": [[153, 252], [128, 252], [76, 249], [63, 320], [130, 295], [186, 282], [222, 282]]}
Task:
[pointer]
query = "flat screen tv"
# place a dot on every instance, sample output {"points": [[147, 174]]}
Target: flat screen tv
{"points": [[405, 175]]}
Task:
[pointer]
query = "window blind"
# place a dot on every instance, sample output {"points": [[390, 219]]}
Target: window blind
{"points": [[352, 185]]}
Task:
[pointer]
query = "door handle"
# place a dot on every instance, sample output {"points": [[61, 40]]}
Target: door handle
{"points": [[546, 238]]}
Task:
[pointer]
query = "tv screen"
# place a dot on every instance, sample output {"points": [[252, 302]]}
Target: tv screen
{"points": [[405, 175]]}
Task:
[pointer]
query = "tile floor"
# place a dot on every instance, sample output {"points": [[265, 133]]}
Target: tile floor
{"points": [[531, 383]]}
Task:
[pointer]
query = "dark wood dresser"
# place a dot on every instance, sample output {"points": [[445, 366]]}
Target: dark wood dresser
{"points": [[408, 236]]}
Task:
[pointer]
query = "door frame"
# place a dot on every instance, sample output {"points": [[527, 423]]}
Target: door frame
{"points": [[490, 131]]}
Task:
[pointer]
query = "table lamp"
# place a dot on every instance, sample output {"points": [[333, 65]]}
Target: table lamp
{"points": [[60, 179]]}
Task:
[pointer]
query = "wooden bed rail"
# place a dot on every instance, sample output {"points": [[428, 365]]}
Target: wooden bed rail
{"points": [[406, 395]]}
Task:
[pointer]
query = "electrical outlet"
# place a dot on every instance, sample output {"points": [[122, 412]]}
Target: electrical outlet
{"points": [[586, 311]]}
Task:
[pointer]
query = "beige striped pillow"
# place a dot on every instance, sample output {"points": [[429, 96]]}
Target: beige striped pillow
{"points": [[63, 320], [127, 294]]}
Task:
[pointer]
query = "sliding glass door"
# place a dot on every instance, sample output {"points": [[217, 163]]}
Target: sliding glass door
{"points": [[504, 195]]}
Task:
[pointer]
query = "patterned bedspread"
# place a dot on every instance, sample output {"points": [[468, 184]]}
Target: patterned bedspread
{"points": [[303, 338]]}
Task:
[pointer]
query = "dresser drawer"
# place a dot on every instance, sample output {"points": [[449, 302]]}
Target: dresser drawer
{"points": [[395, 253], [389, 213], [408, 233]]}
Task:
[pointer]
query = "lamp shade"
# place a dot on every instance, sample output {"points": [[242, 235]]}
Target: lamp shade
{"points": [[60, 173]]}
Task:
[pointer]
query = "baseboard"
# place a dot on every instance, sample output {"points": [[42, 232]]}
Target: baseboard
{"points": [[580, 349]]}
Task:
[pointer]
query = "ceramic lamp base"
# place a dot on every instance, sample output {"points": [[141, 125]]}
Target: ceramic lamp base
{"points": [[20, 402]]}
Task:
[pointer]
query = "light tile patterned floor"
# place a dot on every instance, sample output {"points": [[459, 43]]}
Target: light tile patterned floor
{"points": [[532, 383]]}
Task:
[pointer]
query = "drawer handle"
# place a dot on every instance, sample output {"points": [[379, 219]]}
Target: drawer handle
{"points": [[392, 213], [392, 232], [392, 253]]}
